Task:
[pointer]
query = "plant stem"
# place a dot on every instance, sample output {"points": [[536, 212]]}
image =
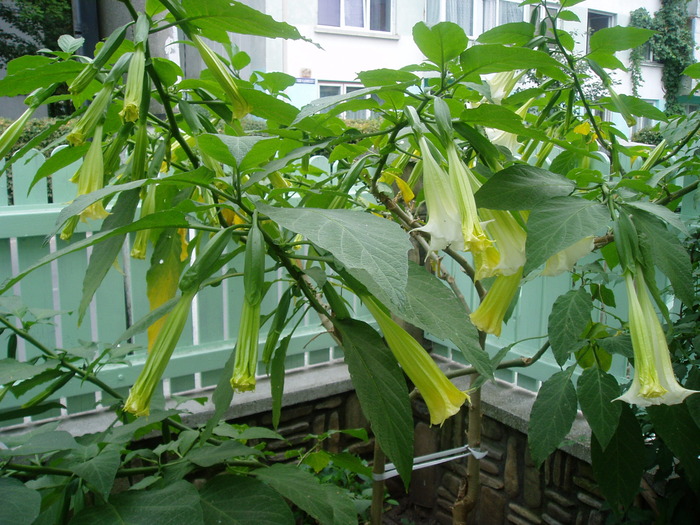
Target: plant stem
{"points": [[377, 508]]}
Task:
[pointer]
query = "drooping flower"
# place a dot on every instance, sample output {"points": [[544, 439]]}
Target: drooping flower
{"points": [[507, 256], [92, 116], [441, 396], [134, 85], [462, 180], [223, 77], [501, 84], [654, 382], [565, 260], [90, 177], [139, 400], [148, 206], [444, 223], [246, 360], [488, 317]]}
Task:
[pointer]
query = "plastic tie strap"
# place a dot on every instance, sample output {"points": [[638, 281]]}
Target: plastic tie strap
{"points": [[430, 460]]}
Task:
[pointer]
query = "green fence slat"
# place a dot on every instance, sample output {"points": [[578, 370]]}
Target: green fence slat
{"points": [[23, 172], [71, 271], [3, 185], [63, 189]]}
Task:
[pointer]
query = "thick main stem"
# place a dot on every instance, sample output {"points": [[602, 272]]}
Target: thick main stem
{"points": [[377, 508]]}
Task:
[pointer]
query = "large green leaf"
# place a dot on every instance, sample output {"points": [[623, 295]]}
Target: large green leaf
{"points": [[99, 471], [59, 160], [12, 370], [552, 415], [373, 250], [638, 107], [270, 108], [618, 38], [496, 58], [570, 314], [175, 504], [618, 344], [42, 444], [27, 80], [282, 162], [518, 33], [498, 117], [216, 18], [433, 307], [521, 187], [618, 469], [668, 254], [328, 504], [209, 455], [324, 103], [558, 223], [596, 391], [20, 505], [226, 148], [382, 391], [105, 253], [676, 426], [222, 396], [387, 77], [238, 500], [441, 42]]}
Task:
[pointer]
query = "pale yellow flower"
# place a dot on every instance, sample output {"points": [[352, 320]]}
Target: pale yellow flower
{"points": [[488, 317]]}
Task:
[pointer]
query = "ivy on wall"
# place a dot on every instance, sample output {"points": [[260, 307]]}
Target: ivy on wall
{"points": [[672, 46]]}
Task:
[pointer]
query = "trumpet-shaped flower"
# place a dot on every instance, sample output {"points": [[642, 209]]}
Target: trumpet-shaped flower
{"points": [[246, 361], [654, 382], [564, 260], [444, 223], [462, 180], [441, 396], [90, 177], [507, 257], [139, 400], [223, 77], [148, 206], [92, 116], [488, 317], [134, 85]]}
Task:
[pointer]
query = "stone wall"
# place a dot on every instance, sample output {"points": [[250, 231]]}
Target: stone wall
{"points": [[513, 491]]}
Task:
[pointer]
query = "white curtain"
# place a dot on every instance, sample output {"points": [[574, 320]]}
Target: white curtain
{"points": [[329, 13], [511, 12], [432, 12], [354, 13], [460, 12]]}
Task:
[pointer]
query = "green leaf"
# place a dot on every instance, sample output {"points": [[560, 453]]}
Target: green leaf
{"points": [[270, 108], [209, 455], [558, 223], [668, 254], [618, 38], [373, 250], [167, 70], [12, 370], [277, 375], [521, 187], [692, 71], [676, 427], [496, 58], [238, 500], [325, 103], [433, 307], [662, 212], [619, 344], [382, 391], [569, 16], [125, 433], [618, 469], [27, 80], [222, 396], [105, 253], [42, 444], [387, 77], [20, 505], [494, 116], [225, 148], [596, 391], [328, 504], [216, 18], [518, 33], [552, 415], [100, 470], [283, 162], [59, 160], [568, 319], [178, 502], [247, 433], [638, 107], [441, 42]]}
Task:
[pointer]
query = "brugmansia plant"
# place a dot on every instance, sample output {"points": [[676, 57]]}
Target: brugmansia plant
{"points": [[491, 161]]}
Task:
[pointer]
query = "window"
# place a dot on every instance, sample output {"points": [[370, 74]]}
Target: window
{"points": [[372, 15], [598, 21], [340, 88], [499, 12], [461, 12], [644, 122]]}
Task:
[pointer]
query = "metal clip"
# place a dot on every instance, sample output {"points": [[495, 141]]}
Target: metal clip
{"points": [[431, 460]]}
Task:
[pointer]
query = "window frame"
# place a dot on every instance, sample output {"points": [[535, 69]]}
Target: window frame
{"points": [[442, 15], [481, 16], [367, 21], [612, 17], [344, 87]]}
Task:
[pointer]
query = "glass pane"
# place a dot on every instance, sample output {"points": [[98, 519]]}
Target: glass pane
{"points": [[432, 12], [460, 12], [380, 15], [329, 13], [511, 12], [489, 14], [329, 91], [354, 13]]}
